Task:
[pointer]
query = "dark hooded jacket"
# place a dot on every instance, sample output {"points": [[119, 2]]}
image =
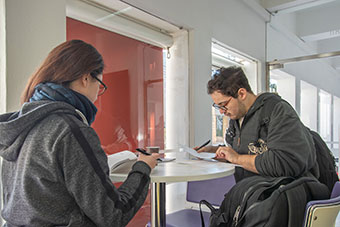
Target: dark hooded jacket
{"points": [[286, 148], [48, 180]]}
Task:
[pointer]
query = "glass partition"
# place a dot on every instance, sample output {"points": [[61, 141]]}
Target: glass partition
{"points": [[308, 104], [130, 113]]}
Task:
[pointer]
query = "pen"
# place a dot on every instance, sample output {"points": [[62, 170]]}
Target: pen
{"points": [[142, 151], [145, 153], [203, 145]]}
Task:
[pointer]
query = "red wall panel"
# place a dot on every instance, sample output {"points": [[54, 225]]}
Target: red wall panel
{"points": [[130, 113]]}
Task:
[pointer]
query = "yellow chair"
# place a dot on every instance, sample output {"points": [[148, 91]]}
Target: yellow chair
{"points": [[323, 213]]}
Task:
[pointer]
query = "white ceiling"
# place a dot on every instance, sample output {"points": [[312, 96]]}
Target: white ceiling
{"points": [[316, 22]]}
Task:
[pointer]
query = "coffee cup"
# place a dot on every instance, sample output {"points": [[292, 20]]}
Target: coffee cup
{"points": [[152, 149]]}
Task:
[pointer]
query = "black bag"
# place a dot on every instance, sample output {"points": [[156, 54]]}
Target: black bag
{"points": [[326, 162], [266, 201], [324, 157]]}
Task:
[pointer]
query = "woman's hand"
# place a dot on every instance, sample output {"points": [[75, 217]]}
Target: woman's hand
{"points": [[150, 160]]}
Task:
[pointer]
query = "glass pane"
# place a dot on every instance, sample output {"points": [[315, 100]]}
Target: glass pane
{"points": [[308, 111], [325, 115], [284, 84], [130, 113], [336, 122]]}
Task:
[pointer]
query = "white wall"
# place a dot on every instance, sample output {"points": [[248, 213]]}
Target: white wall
{"points": [[230, 22], [2, 57], [33, 28]]}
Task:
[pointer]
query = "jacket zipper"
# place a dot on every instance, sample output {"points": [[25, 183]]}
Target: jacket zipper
{"points": [[236, 214]]}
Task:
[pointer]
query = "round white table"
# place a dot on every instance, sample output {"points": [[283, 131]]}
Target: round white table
{"points": [[167, 172]]}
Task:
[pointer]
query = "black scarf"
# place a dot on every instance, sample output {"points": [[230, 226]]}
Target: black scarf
{"points": [[56, 92]]}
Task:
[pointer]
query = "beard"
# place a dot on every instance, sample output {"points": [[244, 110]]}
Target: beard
{"points": [[242, 110]]}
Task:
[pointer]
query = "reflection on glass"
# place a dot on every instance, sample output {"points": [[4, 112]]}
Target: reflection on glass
{"points": [[130, 113]]}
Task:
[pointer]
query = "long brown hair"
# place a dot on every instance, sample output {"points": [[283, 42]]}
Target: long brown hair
{"points": [[65, 63]]}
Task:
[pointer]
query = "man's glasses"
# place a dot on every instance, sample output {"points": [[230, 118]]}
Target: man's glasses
{"points": [[223, 106], [102, 86]]}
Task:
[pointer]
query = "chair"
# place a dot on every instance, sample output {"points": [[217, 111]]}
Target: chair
{"points": [[323, 212], [210, 190]]}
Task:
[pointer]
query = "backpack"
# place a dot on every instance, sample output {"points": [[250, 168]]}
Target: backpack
{"points": [[266, 201], [324, 157]]}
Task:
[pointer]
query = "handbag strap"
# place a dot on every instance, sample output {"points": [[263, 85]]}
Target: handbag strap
{"points": [[109, 188], [213, 210]]}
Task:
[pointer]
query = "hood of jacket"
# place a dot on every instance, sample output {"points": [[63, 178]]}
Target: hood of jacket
{"points": [[260, 101], [15, 126]]}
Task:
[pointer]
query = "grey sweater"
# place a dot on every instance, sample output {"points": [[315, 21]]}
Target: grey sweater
{"points": [[48, 180]]}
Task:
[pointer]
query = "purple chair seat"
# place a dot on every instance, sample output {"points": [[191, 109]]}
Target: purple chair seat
{"points": [[211, 190]]}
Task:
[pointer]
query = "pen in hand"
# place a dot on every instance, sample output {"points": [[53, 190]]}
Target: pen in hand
{"points": [[203, 145], [145, 153], [142, 151]]}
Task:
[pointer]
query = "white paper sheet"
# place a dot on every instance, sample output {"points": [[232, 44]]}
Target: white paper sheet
{"points": [[203, 155]]}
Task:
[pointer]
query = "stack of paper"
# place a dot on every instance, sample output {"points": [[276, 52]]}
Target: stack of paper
{"points": [[202, 155]]}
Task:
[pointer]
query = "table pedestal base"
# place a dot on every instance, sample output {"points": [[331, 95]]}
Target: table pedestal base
{"points": [[158, 214]]}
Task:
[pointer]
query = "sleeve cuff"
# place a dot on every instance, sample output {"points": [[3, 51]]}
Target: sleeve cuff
{"points": [[142, 167], [258, 164]]}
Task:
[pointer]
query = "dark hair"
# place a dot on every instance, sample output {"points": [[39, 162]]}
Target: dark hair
{"points": [[228, 81], [65, 63]]}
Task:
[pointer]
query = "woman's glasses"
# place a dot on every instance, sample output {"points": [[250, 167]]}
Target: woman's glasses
{"points": [[102, 86]]}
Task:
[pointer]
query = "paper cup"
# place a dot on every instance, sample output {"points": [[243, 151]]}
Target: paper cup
{"points": [[152, 150]]}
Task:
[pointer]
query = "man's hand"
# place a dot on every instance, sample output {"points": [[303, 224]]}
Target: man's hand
{"points": [[209, 149], [244, 160], [227, 153]]}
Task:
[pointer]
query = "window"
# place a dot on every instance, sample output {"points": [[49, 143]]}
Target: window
{"points": [[284, 85], [308, 104], [325, 115], [223, 56], [336, 121]]}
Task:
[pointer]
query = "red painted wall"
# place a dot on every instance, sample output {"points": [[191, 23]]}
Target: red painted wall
{"points": [[130, 113]]}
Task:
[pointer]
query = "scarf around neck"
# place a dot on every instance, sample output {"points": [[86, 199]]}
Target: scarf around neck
{"points": [[57, 92]]}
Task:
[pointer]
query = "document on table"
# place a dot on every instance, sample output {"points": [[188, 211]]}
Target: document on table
{"points": [[202, 155]]}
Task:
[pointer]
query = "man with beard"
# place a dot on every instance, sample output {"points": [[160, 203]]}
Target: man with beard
{"points": [[278, 146]]}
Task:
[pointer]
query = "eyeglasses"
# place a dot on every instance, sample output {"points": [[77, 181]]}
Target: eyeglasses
{"points": [[222, 106], [102, 87]]}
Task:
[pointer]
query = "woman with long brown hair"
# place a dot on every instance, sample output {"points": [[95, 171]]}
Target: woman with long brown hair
{"points": [[55, 172]]}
